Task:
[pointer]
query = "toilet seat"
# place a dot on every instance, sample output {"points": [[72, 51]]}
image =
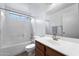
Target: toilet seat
{"points": [[30, 47]]}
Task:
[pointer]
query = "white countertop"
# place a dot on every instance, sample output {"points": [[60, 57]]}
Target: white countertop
{"points": [[62, 46]]}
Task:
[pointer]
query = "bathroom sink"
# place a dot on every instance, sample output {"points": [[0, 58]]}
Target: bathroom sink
{"points": [[55, 42], [59, 43], [51, 42]]}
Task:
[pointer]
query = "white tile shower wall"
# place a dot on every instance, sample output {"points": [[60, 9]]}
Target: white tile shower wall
{"points": [[14, 49], [2, 5], [15, 32], [1, 21], [2, 24], [22, 34], [0, 27]]}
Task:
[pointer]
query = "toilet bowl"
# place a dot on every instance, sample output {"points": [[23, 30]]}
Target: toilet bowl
{"points": [[30, 49]]}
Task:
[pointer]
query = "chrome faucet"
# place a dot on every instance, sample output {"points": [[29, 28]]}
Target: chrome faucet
{"points": [[55, 32], [55, 38]]}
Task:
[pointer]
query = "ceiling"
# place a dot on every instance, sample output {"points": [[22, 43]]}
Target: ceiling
{"points": [[58, 7], [37, 10], [34, 9]]}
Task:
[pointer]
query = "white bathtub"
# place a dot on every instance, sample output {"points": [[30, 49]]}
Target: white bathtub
{"points": [[12, 50]]}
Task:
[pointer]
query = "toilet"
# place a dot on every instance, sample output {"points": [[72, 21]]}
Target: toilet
{"points": [[30, 49]]}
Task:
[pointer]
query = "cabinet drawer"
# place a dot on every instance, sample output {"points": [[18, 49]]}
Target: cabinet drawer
{"points": [[52, 52], [39, 52], [40, 46]]}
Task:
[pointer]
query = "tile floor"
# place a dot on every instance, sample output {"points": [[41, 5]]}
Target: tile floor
{"points": [[26, 54]]}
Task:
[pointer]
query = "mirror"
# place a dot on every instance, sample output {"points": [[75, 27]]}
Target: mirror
{"points": [[54, 26], [71, 21], [66, 20]]}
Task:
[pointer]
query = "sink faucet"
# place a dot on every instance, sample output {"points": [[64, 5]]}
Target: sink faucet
{"points": [[55, 37], [54, 31]]}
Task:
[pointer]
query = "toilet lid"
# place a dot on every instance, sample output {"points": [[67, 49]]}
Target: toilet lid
{"points": [[30, 46]]}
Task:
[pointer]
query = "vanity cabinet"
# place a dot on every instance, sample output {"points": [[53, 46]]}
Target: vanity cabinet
{"points": [[52, 52], [43, 50], [39, 49]]}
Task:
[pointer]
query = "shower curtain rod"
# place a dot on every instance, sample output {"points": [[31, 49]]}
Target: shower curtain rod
{"points": [[15, 12]]}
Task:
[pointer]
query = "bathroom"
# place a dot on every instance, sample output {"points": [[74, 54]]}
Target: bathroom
{"points": [[27, 27]]}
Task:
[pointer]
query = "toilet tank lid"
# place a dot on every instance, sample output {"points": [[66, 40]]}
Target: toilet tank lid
{"points": [[30, 46]]}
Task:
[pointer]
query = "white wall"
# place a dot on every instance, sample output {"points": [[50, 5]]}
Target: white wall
{"points": [[38, 27]]}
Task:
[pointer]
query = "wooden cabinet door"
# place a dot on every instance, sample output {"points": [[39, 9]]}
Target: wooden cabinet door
{"points": [[40, 49], [38, 52], [52, 52]]}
